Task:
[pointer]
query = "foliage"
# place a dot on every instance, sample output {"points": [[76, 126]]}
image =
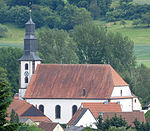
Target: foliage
{"points": [[25, 127], [113, 128], [141, 126], [115, 121], [142, 81], [19, 15], [5, 100], [3, 30], [56, 46], [147, 115], [9, 61], [14, 118], [146, 19], [98, 46], [3, 75], [136, 22]]}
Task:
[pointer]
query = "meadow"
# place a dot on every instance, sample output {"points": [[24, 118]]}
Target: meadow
{"points": [[139, 35]]}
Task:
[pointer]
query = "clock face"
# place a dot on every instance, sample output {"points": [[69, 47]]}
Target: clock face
{"points": [[26, 73]]}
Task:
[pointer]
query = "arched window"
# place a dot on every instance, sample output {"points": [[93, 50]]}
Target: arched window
{"points": [[120, 92], [58, 111], [26, 79], [41, 108], [26, 66], [74, 109]]}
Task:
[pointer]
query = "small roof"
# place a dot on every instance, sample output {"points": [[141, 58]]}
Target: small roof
{"points": [[128, 116], [26, 110], [96, 108], [77, 116], [69, 80], [47, 126]]}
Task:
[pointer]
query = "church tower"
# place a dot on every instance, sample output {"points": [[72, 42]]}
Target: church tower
{"points": [[30, 59]]}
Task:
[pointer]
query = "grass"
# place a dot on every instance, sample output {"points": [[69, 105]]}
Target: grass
{"points": [[139, 35], [14, 35], [142, 1]]}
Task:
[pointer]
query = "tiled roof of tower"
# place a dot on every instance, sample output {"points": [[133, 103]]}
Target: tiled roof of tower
{"points": [[69, 80], [95, 108]]}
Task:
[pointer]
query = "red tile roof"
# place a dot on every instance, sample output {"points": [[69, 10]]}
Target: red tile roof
{"points": [[69, 80], [21, 106], [47, 126], [128, 116], [95, 108]]}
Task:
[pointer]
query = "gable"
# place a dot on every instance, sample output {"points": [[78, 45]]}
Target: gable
{"points": [[32, 111], [68, 81]]}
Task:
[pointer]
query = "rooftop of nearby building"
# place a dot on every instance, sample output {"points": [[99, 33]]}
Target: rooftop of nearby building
{"points": [[26, 110], [71, 80], [128, 116], [96, 108]]}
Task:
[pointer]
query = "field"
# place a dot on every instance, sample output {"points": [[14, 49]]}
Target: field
{"points": [[142, 1], [140, 35]]}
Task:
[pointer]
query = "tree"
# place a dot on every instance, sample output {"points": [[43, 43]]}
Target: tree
{"points": [[9, 61], [3, 75], [98, 46], [19, 15], [5, 100], [146, 19], [25, 127], [136, 22], [56, 46], [3, 30], [122, 22], [115, 121], [14, 118]]}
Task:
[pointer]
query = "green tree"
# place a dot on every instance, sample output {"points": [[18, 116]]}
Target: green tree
{"points": [[98, 46], [56, 46], [122, 22], [3, 30], [136, 22], [115, 121], [9, 61], [25, 127], [19, 15], [14, 118], [5, 100], [3, 75], [146, 19]]}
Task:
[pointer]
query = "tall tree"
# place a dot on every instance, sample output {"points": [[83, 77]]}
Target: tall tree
{"points": [[14, 118], [9, 61], [5, 100], [98, 46], [56, 46]]}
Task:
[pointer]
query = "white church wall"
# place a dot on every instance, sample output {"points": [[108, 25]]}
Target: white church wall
{"points": [[87, 120], [121, 91], [136, 104], [126, 104], [66, 107], [24, 85]]}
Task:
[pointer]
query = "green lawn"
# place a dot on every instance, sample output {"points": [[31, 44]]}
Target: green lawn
{"points": [[140, 35], [142, 1], [14, 35]]}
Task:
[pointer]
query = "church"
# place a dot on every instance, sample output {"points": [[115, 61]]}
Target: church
{"points": [[59, 90]]}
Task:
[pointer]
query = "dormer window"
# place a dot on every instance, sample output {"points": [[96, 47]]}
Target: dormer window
{"points": [[26, 66]]}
